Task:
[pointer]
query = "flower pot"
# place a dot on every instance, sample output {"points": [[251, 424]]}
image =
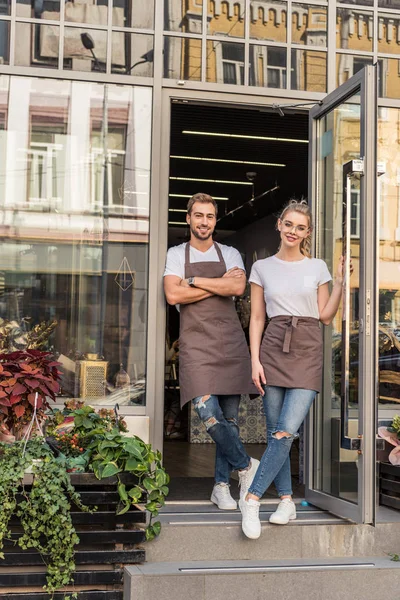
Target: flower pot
{"points": [[8, 438], [35, 461]]}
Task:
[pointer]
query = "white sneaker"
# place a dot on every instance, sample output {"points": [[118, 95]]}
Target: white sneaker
{"points": [[246, 477], [251, 525], [221, 496], [285, 512]]}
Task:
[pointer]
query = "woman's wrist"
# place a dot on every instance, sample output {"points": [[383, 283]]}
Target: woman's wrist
{"points": [[339, 281]]}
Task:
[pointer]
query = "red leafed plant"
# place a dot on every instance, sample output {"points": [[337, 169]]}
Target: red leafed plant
{"points": [[22, 375]]}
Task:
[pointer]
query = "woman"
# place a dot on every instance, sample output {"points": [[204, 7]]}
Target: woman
{"points": [[292, 288]]}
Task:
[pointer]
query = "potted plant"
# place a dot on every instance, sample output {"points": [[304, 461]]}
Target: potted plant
{"points": [[96, 442], [44, 512], [25, 375]]}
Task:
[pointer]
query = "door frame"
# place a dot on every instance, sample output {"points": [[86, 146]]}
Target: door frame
{"points": [[159, 227], [365, 509]]}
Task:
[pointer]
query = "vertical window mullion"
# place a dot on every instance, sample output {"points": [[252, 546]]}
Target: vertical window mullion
{"points": [[61, 40], [246, 42], [204, 42], [12, 31]]}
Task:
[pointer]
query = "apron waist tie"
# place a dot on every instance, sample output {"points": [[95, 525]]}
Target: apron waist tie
{"points": [[288, 334]]}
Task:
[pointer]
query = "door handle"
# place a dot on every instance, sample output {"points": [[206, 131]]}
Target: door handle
{"points": [[350, 169]]}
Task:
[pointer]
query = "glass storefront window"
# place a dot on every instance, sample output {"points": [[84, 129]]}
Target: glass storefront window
{"points": [[348, 65], [395, 4], [46, 9], [309, 70], [389, 257], [226, 18], [132, 54], [388, 33], [182, 58], [38, 45], [183, 16], [85, 49], [5, 7], [389, 77], [4, 42], [309, 24], [87, 12], [354, 29], [74, 198], [133, 13], [357, 2], [268, 66], [225, 63], [268, 21]]}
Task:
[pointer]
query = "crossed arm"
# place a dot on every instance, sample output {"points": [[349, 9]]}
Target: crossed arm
{"points": [[178, 291]]}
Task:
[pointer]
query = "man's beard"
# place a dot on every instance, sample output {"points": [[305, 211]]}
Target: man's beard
{"points": [[199, 236]]}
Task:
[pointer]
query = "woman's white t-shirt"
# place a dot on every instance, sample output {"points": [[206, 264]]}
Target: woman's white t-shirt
{"points": [[290, 287]]}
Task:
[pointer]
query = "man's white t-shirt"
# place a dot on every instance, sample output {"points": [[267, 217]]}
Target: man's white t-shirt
{"points": [[290, 287], [175, 264]]}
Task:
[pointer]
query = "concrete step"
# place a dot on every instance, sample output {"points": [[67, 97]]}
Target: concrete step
{"points": [[358, 578], [202, 532]]}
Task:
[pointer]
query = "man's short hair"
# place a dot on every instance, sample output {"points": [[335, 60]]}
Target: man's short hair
{"points": [[204, 199]]}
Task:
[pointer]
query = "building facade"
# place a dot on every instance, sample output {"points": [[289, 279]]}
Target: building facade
{"points": [[85, 95]]}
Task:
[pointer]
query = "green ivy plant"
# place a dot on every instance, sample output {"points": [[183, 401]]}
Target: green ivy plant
{"points": [[45, 512], [115, 454], [108, 453]]}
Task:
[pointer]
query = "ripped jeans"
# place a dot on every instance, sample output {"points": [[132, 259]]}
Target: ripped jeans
{"points": [[285, 410], [220, 415]]}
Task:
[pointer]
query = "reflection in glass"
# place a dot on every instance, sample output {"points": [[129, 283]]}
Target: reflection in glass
{"points": [[225, 63], [226, 18], [268, 66], [309, 24], [87, 12], [5, 7], [37, 45], [389, 77], [309, 70], [85, 49], [268, 20], [4, 42], [358, 2], [74, 226], [183, 16], [389, 4], [339, 141], [39, 9], [389, 257], [389, 33], [354, 29], [348, 65], [182, 58], [132, 54], [133, 13]]}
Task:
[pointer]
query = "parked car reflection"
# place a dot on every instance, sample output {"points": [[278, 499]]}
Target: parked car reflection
{"points": [[389, 365]]}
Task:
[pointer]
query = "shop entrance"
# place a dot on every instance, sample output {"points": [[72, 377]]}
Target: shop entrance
{"points": [[252, 161]]}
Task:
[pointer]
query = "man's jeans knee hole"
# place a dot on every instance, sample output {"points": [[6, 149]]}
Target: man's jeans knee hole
{"points": [[210, 422], [287, 436], [233, 421], [201, 402]]}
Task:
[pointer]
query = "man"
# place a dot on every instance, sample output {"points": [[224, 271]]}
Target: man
{"points": [[214, 363]]}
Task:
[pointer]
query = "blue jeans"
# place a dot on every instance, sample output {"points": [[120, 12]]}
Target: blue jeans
{"points": [[220, 417], [285, 410]]}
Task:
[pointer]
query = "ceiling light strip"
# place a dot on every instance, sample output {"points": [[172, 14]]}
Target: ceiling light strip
{"points": [[177, 223], [246, 137], [190, 196], [177, 210], [211, 180], [227, 160]]}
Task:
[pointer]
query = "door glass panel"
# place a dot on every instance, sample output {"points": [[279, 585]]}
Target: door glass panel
{"points": [[335, 469], [389, 261]]}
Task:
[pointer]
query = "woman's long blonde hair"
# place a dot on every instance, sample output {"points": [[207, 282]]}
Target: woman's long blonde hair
{"points": [[302, 207]]}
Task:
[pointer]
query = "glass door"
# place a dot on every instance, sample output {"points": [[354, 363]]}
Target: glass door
{"points": [[340, 474]]}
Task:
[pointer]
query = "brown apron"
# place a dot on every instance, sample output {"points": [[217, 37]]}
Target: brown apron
{"points": [[213, 353], [292, 354]]}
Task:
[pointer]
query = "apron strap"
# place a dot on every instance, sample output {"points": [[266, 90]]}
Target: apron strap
{"points": [[219, 252], [288, 335], [187, 254]]}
